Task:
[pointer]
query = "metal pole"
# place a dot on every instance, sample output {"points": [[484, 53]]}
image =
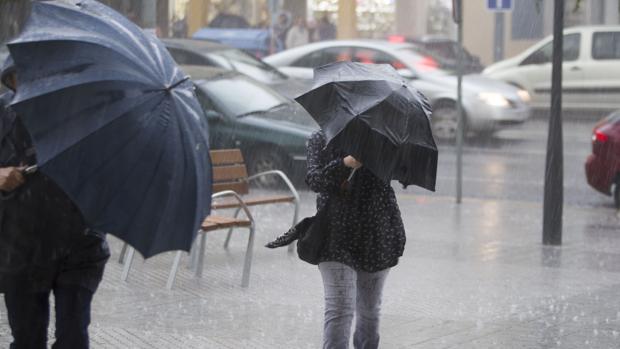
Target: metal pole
{"points": [[498, 39], [459, 129], [554, 176]]}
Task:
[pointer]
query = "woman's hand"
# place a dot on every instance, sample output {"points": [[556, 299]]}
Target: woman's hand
{"points": [[351, 162], [11, 178]]}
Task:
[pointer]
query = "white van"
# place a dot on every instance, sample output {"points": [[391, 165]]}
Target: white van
{"points": [[591, 69]]}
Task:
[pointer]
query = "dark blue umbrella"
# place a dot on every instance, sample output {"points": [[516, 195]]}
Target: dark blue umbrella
{"points": [[115, 123]]}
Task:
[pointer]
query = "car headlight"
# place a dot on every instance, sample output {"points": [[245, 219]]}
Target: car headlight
{"points": [[494, 99], [524, 95]]}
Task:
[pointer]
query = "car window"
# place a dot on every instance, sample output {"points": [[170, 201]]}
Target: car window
{"points": [[325, 56], [572, 44], [188, 58], [240, 95], [443, 49], [367, 55], [246, 64], [606, 45]]}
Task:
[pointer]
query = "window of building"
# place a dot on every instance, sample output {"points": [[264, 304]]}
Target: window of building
{"points": [[527, 20], [606, 45]]}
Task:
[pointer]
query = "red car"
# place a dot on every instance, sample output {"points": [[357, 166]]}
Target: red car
{"points": [[603, 165]]}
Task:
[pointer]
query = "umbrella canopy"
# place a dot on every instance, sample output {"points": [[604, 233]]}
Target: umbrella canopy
{"points": [[115, 123], [371, 113]]}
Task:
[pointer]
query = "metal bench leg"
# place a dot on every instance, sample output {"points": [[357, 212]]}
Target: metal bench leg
{"points": [[192, 263], [201, 254], [231, 229], [127, 265], [245, 278], [121, 258], [291, 247], [173, 272]]}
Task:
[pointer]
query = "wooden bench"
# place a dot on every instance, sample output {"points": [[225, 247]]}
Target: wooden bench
{"points": [[231, 187], [230, 173]]}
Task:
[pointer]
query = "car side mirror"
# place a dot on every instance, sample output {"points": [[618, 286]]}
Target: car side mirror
{"points": [[214, 115], [407, 74]]}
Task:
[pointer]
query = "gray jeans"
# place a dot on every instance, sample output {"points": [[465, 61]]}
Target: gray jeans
{"points": [[349, 292]]}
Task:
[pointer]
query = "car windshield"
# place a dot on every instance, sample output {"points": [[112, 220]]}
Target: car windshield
{"points": [[238, 96], [246, 64]]}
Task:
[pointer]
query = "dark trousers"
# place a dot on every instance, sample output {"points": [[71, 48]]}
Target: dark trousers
{"points": [[28, 315]]}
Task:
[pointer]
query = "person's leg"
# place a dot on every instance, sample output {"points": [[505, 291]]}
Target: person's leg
{"points": [[339, 284], [28, 315], [368, 306], [72, 316]]}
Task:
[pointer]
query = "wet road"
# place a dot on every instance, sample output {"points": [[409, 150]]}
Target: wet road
{"points": [[511, 165]]}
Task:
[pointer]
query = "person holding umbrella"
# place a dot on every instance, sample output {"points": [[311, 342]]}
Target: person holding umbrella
{"points": [[44, 244], [374, 128], [120, 145]]}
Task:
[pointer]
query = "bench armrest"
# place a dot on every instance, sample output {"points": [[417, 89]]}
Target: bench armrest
{"points": [[226, 193], [284, 178]]}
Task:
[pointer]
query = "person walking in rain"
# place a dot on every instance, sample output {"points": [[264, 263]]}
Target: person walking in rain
{"points": [[298, 35], [366, 237], [44, 244]]}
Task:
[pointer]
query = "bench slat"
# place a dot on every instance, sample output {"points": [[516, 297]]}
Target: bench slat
{"points": [[226, 157], [219, 222], [229, 172], [223, 204]]}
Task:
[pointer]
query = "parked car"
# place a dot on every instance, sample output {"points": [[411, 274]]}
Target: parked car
{"points": [[202, 52], [270, 129], [489, 104], [590, 73], [445, 51], [603, 165]]}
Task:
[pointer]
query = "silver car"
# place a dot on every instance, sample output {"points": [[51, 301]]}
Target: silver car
{"points": [[489, 104]]}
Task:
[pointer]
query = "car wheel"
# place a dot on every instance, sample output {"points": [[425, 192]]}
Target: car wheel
{"points": [[617, 192], [267, 159], [445, 121]]}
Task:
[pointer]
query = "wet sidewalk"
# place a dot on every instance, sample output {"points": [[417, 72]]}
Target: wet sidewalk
{"points": [[473, 276]]}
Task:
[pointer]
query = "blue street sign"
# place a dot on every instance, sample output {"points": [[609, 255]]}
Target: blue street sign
{"points": [[499, 5]]}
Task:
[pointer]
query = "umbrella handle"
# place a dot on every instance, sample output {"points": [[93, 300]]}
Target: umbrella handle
{"points": [[30, 169], [351, 175]]}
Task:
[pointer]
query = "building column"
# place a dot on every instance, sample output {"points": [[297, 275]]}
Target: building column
{"points": [[347, 19], [163, 18], [197, 15], [411, 17], [611, 9]]}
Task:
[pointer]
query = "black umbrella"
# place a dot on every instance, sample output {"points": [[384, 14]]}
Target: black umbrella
{"points": [[371, 113], [115, 123]]}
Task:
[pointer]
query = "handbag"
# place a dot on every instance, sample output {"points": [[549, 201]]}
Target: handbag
{"points": [[311, 234]]}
